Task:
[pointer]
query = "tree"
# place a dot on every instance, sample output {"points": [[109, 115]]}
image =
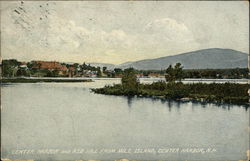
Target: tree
{"points": [[84, 66], [10, 67], [173, 74], [104, 69], [76, 67], [178, 71], [30, 65], [53, 73], [22, 72], [118, 71], [130, 83], [99, 73], [170, 74]]}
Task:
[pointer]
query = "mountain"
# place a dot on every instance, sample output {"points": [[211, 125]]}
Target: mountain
{"points": [[213, 58]]}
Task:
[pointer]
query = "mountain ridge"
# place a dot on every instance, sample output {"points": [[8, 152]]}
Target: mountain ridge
{"points": [[211, 58]]}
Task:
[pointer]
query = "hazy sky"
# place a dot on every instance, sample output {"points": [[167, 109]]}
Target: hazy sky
{"points": [[117, 32]]}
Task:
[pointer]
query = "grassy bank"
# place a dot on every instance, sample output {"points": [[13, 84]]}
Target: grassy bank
{"points": [[24, 80], [220, 93]]}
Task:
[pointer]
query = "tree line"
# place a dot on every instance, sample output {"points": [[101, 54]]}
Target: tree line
{"points": [[12, 68]]}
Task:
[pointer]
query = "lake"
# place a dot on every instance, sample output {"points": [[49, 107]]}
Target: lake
{"points": [[65, 121]]}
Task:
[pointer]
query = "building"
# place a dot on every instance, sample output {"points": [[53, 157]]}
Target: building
{"points": [[50, 65], [153, 75], [140, 75]]}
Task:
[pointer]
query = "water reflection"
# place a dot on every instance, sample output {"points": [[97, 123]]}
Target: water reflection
{"points": [[129, 101], [181, 103]]}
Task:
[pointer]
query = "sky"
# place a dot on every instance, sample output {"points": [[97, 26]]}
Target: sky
{"points": [[119, 31]]}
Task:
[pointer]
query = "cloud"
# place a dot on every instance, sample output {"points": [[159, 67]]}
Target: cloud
{"points": [[43, 32], [169, 30]]}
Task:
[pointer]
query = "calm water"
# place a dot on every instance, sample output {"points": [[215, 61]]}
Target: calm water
{"points": [[67, 116]]}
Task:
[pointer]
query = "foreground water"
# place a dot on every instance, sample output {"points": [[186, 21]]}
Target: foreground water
{"points": [[65, 121]]}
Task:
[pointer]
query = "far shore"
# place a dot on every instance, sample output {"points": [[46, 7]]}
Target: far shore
{"points": [[37, 80], [90, 79]]}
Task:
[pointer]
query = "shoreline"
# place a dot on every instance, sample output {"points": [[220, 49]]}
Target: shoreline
{"points": [[38, 80], [230, 93]]}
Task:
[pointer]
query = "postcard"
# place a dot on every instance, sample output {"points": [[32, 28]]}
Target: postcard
{"points": [[125, 80]]}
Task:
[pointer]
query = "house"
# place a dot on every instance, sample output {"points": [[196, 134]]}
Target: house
{"points": [[89, 73], [23, 67], [50, 65], [140, 75], [71, 71], [153, 75]]}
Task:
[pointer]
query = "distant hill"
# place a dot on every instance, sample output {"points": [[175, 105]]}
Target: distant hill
{"points": [[214, 58]]}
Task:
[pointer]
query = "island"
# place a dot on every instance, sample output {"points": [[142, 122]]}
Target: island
{"points": [[174, 89]]}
